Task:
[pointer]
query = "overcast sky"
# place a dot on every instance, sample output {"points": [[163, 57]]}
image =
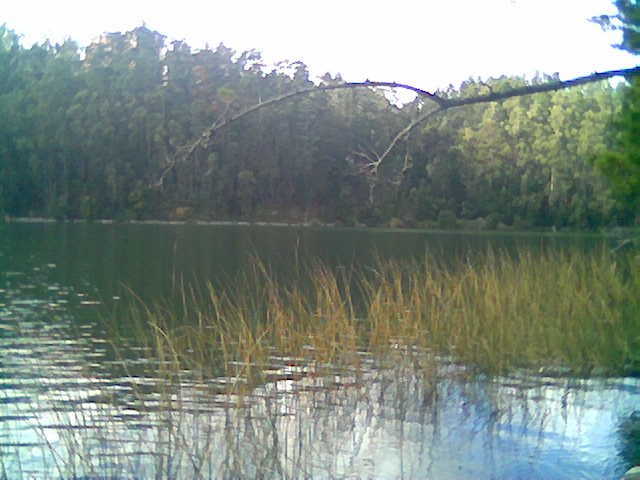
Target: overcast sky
{"points": [[428, 43]]}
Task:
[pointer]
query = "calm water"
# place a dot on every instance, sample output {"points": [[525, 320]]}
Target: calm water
{"points": [[65, 395]]}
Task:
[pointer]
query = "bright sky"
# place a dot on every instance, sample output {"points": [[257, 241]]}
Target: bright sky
{"points": [[426, 43]]}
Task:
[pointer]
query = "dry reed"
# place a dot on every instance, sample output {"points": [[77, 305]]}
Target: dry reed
{"points": [[547, 310]]}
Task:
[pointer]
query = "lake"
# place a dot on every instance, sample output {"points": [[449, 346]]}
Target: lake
{"points": [[73, 406]]}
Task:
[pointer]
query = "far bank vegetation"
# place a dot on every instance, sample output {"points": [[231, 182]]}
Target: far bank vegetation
{"points": [[88, 132]]}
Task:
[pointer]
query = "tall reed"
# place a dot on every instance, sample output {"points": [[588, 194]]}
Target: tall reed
{"points": [[545, 310]]}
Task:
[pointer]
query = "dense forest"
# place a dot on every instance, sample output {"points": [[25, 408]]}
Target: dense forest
{"points": [[94, 133]]}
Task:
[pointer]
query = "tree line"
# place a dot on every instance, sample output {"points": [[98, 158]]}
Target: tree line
{"points": [[95, 133]]}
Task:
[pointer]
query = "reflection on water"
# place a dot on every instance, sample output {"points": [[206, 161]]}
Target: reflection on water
{"points": [[71, 408], [376, 423]]}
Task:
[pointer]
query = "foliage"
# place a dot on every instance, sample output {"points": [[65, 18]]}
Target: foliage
{"points": [[621, 164], [86, 134]]}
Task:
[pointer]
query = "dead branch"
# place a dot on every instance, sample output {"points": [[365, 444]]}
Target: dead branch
{"points": [[542, 87], [222, 122], [442, 104]]}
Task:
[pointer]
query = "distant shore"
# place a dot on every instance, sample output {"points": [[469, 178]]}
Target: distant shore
{"points": [[106, 221], [616, 232]]}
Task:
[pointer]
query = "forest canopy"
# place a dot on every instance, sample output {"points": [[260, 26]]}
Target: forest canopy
{"points": [[86, 133]]}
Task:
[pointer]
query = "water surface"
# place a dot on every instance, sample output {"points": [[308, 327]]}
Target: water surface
{"points": [[71, 405]]}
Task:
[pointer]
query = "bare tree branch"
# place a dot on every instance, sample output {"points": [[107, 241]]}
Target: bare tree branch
{"points": [[207, 134], [404, 133], [540, 88], [446, 104], [442, 104]]}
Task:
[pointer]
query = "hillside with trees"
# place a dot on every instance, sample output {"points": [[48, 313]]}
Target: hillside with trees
{"points": [[94, 133]]}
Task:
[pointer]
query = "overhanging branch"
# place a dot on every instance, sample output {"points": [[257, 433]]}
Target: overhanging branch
{"points": [[446, 103], [541, 88], [442, 104]]}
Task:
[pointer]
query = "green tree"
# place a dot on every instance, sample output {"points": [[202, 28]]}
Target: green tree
{"points": [[621, 164], [88, 134]]}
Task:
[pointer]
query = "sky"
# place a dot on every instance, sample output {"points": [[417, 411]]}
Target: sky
{"points": [[429, 43]]}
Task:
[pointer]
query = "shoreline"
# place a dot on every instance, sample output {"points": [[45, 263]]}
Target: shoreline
{"points": [[616, 232], [107, 221]]}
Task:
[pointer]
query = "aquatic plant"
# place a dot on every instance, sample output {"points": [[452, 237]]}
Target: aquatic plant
{"points": [[548, 311]]}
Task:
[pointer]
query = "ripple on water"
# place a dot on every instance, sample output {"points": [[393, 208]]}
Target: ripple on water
{"points": [[57, 388]]}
